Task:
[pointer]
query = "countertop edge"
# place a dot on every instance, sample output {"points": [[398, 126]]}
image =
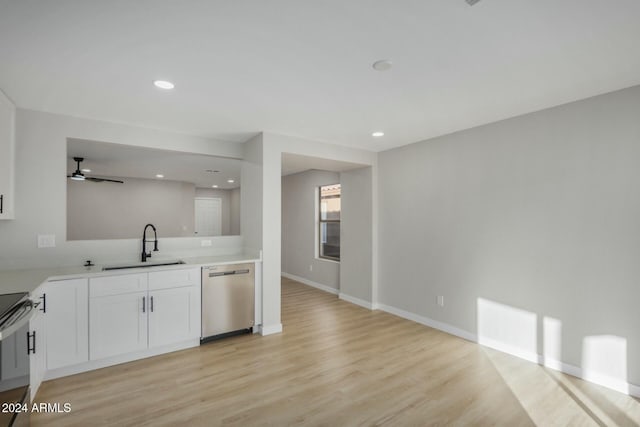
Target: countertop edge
{"points": [[31, 280]]}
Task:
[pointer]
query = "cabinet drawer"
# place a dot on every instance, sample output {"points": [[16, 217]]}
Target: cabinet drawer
{"points": [[174, 279], [116, 285]]}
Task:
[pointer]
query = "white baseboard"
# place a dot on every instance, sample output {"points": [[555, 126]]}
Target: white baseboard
{"points": [[513, 350], [575, 371], [429, 322], [311, 283], [356, 301], [116, 360], [271, 329]]}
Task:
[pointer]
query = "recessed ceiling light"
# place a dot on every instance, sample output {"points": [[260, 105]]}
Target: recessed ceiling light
{"points": [[231, 181], [382, 65], [163, 84], [159, 175], [86, 170], [377, 134], [214, 186]]}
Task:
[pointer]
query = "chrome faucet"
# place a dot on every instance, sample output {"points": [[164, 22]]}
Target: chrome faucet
{"points": [[146, 255]]}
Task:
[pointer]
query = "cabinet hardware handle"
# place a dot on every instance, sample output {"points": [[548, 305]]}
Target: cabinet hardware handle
{"points": [[43, 308], [144, 304], [1, 202], [31, 338], [152, 304]]}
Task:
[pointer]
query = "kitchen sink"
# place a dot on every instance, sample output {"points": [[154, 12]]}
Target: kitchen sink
{"points": [[142, 265]]}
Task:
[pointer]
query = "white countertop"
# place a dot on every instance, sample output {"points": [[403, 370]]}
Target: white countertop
{"points": [[28, 280]]}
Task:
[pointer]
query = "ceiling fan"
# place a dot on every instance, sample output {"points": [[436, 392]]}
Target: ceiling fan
{"points": [[79, 176]]}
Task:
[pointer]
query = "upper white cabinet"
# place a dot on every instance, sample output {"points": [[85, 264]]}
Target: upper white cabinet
{"points": [[7, 157], [66, 307]]}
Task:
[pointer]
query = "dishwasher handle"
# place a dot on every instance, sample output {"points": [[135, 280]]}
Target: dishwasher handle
{"points": [[229, 273]]}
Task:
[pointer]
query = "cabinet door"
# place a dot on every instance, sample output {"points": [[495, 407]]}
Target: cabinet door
{"points": [[117, 324], [174, 315], [7, 146], [38, 358], [67, 316]]}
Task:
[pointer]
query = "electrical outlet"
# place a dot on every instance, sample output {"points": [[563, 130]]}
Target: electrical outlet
{"points": [[310, 267], [46, 240], [441, 300], [204, 243]]}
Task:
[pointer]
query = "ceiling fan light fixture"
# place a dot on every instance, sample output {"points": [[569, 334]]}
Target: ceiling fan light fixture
{"points": [[79, 176]]}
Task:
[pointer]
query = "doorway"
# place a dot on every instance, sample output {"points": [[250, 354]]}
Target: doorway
{"points": [[208, 212]]}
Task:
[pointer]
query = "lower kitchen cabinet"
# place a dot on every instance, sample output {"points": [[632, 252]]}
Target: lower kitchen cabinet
{"points": [[89, 323], [36, 345], [134, 312], [174, 315], [65, 304], [117, 315], [118, 324]]}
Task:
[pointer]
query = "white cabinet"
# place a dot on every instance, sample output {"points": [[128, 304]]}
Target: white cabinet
{"points": [[36, 345], [66, 308], [117, 315], [174, 315], [7, 157], [133, 312], [118, 325], [174, 298]]}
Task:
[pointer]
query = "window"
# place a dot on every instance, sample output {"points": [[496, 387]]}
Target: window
{"points": [[329, 222]]}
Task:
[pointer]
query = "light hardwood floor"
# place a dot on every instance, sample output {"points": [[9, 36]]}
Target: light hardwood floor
{"points": [[335, 364]]}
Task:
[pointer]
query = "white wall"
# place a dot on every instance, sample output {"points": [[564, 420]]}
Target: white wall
{"points": [[299, 204], [356, 226], [96, 210], [235, 212], [41, 141], [7, 154], [251, 195], [529, 227]]}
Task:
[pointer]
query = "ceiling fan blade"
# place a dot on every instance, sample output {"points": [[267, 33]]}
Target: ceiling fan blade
{"points": [[94, 179]]}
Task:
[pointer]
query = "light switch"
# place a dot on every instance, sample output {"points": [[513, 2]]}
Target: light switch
{"points": [[46, 240]]}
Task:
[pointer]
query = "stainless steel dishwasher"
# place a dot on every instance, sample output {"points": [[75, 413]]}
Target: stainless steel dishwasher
{"points": [[228, 294]]}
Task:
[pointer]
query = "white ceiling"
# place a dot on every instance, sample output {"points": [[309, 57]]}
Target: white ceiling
{"points": [[304, 68], [124, 161]]}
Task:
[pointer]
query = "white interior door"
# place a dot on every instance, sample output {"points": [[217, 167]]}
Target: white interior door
{"points": [[208, 216]]}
